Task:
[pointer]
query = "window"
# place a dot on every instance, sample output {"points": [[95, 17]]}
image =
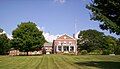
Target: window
{"points": [[59, 48], [46, 48], [59, 42], [70, 43], [71, 48], [64, 42]]}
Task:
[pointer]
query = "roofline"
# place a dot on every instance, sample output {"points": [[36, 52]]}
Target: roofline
{"points": [[67, 35]]}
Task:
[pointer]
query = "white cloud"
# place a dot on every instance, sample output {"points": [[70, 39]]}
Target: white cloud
{"points": [[47, 36], [76, 35], [40, 28], [60, 1], [3, 32], [50, 37], [9, 36]]}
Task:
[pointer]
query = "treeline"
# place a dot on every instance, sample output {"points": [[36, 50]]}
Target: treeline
{"points": [[95, 42], [27, 37]]}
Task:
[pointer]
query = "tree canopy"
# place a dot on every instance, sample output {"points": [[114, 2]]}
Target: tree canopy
{"points": [[4, 43], [92, 40], [108, 13], [110, 43], [27, 37]]}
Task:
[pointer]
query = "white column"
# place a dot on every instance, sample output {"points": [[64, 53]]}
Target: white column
{"points": [[69, 48], [56, 48], [62, 48]]}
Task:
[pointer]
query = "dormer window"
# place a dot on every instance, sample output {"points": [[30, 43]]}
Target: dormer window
{"points": [[64, 42]]}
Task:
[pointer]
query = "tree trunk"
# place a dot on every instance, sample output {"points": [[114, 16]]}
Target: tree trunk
{"points": [[27, 53]]}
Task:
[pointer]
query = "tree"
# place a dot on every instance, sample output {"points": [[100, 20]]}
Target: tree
{"points": [[4, 43], [110, 44], [16, 44], [90, 40], [108, 13], [95, 41], [117, 49], [27, 37]]}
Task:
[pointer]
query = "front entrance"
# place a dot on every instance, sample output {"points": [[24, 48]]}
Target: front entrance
{"points": [[66, 48]]}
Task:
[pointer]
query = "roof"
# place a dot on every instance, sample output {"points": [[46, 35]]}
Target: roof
{"points": [[47, 44], [67, 37]]}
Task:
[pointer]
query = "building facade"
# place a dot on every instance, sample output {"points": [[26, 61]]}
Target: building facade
{"points": [[47, 48], [65, 44]]}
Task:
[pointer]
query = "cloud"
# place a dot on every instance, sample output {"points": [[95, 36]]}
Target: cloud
{"points": [[47, 36], [40, 28], [60, 1], [50, 37], [76, 35], [9, 36]]}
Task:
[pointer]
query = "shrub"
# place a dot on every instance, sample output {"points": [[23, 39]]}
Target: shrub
{"points": [[95, 52], [106, 52], [84, 52]]}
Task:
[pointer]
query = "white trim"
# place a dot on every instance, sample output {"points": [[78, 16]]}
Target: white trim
{"points": [[56, 48], [67, 35], [65, 39], [69, 48], [62, 49]]}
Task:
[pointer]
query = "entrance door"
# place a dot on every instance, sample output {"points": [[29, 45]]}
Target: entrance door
{"points": [[66, 48]]}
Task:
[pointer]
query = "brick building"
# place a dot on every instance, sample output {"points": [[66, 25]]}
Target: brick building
{"points": [[65, 44], [47, 48]]}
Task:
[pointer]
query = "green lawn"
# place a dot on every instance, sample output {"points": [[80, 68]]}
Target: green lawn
{"points": [[60, 62]]}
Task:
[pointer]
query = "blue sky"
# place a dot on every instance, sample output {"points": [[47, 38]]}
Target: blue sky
{"points": [[53, 16]]}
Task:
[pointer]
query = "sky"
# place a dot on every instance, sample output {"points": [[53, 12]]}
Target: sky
{"points": [[54, 17]]}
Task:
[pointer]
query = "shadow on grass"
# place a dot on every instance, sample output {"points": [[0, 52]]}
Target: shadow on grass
{"points": [[101, 64]]}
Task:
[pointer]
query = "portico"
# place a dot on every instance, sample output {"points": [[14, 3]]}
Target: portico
{"points": [[65, 44], [64, 48]]}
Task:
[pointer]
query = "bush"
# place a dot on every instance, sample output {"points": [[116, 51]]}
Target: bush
{"points": [[106, 52], [117, 51], [84, 52], [95, 52]]}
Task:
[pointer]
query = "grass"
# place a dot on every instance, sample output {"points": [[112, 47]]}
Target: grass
{"points": [[60, 62]]}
